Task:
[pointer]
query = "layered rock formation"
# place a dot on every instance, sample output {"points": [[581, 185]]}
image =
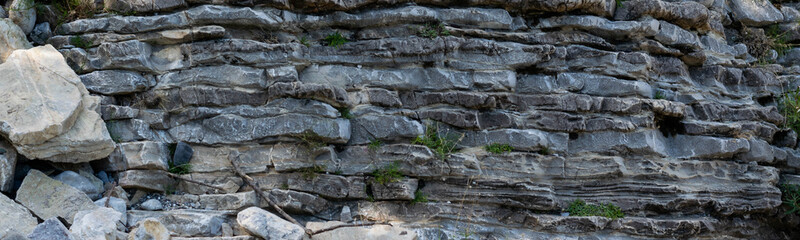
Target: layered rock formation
{"points": [[449, 119]]}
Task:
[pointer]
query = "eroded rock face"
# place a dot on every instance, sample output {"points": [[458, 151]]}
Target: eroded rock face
{"points": [[48, 198], [499, 113]]}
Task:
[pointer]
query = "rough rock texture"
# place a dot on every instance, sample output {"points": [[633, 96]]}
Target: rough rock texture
{"points": [[48, 198], [149, 229], [98, 223], [68, 128], [11, 38], [51, 229], [266, 225], [15, 218], [478, 119], [23, 13]]}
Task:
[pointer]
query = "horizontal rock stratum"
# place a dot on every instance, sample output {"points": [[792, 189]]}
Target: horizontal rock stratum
{"points": [[400, 119]]}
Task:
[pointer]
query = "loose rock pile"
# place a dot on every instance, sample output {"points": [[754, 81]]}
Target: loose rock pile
{"points": [[428, 119]]}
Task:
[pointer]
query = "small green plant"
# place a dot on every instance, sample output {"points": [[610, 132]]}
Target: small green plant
{"points": [[388, 174], [304, 41], [580, 208], [285, 186], [778, 41], [419, 197], [79, 42], [619, 3], [335, 40], [345, 112], [545, 151], [179, 169], [312, 139], [789, 106], [659, 95], [790, 194], [170, 189], [374, 145], [310, 173], [497, 148], [433, 31], [442, 146]]}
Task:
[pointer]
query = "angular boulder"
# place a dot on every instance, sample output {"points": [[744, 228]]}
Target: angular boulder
{"points": [[49, 198], [51, 229], [14, 218], [98, 223], [11, 38], [42, 86], [755, 13], [149, 229], [23, 13], [266, 225]]}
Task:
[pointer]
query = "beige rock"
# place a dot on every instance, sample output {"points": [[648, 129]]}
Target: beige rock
{"points": [[42, 86], [48, 198], [149, 229], [99, 223], [366, 233], [87, 140], [15, 218], [23, 13], [51, 95], [11, 38]]}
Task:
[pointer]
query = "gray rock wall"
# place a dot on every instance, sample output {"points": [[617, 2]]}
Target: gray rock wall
{"points": [[659, 107]]}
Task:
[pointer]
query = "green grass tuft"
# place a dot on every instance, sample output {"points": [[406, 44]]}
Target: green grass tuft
{"points": [[497, 148], [335, 40], [790, 194], [433, 31], [388, 174], [789, 106], [442, 146], [345, 112], [374, 145], [419, 197], [580, 208], [79, 42], [312, 140], [180, 169], [304, 41], [659, 95], [310, 173]]}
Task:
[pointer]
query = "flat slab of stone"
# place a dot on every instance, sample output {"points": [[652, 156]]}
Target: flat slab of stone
{"points": [[49, 198]]}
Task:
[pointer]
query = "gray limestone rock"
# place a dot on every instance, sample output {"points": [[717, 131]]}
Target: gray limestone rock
{"points": [[152, 205], [51, 229], [15, 218], [755, 13], [8, 163], [41, 33], [116, 82], [186, 223], [79, 182], [369, 128]]}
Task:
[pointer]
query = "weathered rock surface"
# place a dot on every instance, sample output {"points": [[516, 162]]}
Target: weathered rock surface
{"points": [[755, 13], [8, 161], [79, 182], [13, 38], [69, 129], [49, 198], [666, 109], [22, 13], [267, 225], [53, 229], [149, 229], [15, 218], [372, 232], [98, 223]]}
